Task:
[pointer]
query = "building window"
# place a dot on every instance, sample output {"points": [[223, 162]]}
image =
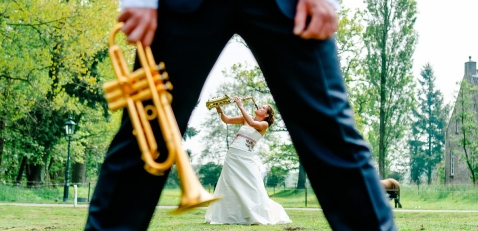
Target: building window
{"points": [[452, 163]]}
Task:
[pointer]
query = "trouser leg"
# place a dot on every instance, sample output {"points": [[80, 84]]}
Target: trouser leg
{"points": [[126, 195], [305, 80]]}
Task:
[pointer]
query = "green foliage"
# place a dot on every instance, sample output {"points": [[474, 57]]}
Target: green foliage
{"points": [[282, 154], [209, 173], [276, 176], [350, 49], [396, 175], [242, 81], [54, 61], [390, 41], [416, 159], [190, 133], [466, 116], [440, 173], [428, 128], [173, 178]]}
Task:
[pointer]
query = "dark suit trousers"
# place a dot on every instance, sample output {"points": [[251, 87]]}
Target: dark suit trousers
{"points": [[305, 79]]}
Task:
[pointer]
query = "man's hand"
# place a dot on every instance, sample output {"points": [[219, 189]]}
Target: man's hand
{"points": [[323, 19], [139, 24]]}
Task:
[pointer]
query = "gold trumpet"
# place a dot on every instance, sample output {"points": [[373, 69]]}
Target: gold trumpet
{"points": [[151, 83], [224, 100]]}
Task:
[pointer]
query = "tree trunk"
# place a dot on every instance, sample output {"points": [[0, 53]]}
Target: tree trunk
{"points": [[429, 175], [2, 142], [302, 177], [20, 171], [429, 169], [52, 175], [383, 94], [78, 173], [34, 175]]}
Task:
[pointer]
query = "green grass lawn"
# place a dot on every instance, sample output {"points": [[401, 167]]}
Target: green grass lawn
{"points": [[412, 198], [69, 218]]}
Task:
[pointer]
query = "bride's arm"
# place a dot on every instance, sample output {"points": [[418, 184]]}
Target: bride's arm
{"points": [[258, 125], [229, 120]]}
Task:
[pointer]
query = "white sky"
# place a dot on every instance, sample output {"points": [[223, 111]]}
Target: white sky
{"points": [[447, 36]]}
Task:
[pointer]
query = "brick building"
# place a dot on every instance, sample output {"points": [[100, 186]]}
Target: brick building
{"points": [[456, 170]]}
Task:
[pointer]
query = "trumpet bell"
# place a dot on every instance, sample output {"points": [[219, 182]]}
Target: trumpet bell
{"points": [[150, 82], [188, 203]]}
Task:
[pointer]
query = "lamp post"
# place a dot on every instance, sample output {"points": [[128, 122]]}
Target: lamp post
{"points": [[70, 130]]}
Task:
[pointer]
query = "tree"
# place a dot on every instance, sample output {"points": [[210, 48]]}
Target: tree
{"points": [[350, 48], [209, 173], [276, 176], [242, 81], [283, 154], [53, 64], [466, 116], [430, 123], [390, 42], [417, 160], [190, 133]]}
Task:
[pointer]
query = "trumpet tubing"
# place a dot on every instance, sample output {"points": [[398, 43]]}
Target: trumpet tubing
{"points": [[150, 82]]}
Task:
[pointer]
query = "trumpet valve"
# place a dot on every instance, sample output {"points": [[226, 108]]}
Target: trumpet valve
{"points": [[165, 76], [155, 155], [168, 86], [169, 97], [161, 66]]}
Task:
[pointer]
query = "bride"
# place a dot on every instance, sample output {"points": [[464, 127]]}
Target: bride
{"points": [[244, 197]]}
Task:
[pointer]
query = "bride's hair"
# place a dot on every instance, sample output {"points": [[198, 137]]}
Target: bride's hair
{"points": [[270, 118]]}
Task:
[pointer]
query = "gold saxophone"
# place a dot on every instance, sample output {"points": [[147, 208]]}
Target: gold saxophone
{"points": [[224, 100], [151, 83]]}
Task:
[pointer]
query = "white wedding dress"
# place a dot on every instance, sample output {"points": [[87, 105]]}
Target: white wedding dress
{"points": [[244, 197]]}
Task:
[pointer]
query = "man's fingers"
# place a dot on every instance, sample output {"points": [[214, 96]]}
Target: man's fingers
{"points": [[138, 33], [320, 29], [149, 36], [313, 29], [130, 25], [124, 16], [139, 24], [323, 23], [300, 18]]}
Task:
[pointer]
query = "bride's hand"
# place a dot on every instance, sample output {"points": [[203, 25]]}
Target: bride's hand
{"points": [[238, 101], [219, 109]]}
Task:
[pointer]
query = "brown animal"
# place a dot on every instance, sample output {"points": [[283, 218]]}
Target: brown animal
{"points": [[393, 190]]}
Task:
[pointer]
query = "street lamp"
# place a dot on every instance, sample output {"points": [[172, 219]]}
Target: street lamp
{"points": [[70, 130]]}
